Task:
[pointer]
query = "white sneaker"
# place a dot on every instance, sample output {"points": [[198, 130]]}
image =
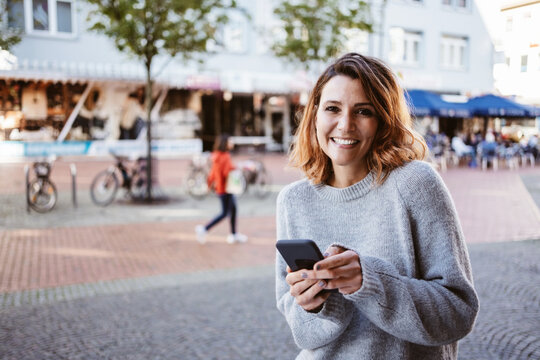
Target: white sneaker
{"points": [[201, 233], [241, 238], [236, 238]]}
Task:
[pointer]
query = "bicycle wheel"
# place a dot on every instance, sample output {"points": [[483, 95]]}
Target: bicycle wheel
{"points": [[42, 195], [197, 185], [138, 186], [261, 185], [104, 187]]}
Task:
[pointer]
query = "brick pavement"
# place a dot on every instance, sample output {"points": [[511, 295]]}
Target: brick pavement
{"points": [[44, 258], [38, 251]]}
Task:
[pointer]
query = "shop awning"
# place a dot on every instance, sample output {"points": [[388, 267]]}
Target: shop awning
{"points": [[493, 105], [534, 111], [426, 103]]}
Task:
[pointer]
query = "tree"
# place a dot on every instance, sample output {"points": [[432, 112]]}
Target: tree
{"points": [[314, 29], [149, 28], [10, 32]]}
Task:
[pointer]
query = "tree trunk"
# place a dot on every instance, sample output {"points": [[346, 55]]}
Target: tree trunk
{"points": [[148, 105]]}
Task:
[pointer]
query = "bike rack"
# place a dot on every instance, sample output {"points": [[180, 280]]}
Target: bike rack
{"points": [[73, 169], [27, 183]]}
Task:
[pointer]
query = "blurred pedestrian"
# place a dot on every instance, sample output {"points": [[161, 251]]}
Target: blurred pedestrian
{"points": [[386, 223], [221, 166], [132, 117]]}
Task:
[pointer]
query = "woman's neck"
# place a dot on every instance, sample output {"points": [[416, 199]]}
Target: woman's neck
{"points": [[342, 179]]}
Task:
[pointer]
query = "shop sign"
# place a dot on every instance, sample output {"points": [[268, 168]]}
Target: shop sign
{"points": [[205, 82], [11, 149]]}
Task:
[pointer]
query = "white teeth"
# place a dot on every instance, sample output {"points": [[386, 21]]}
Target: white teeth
{"points": [[344, 141]]}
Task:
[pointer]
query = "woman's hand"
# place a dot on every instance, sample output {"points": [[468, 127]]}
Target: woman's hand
{"points": [[341, 269], [307, 292]]}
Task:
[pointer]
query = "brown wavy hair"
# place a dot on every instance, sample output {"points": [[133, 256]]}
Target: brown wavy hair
{"points": [[395, 142]]}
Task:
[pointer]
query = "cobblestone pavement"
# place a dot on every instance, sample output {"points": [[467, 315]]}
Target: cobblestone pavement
{"points": [[130, 281], [231, 314]]}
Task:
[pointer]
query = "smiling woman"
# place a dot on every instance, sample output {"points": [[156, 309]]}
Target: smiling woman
{"points": [[346, 126], [393, 246], [364, 87]]}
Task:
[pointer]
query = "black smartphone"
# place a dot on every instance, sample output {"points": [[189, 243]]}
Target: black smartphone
{"points": [[299, 253]]}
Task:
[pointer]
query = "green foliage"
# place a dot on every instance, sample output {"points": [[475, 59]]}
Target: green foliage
{"points": [[313, 29], [9, 35], [146, 28]]}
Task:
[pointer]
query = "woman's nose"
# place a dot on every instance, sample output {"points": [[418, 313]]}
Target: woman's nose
{"points": [[346, 122]]}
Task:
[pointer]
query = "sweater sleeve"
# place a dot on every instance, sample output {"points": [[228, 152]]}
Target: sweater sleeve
{"points": [[440, 305], [309, 330]]}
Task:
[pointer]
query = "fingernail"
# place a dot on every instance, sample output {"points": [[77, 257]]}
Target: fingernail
{"points": [[304, 275], [322, 283], [326, 254], [318, 267]]}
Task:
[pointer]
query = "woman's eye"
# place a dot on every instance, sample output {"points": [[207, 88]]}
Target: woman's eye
{"points": [[332, 108], [364, 112]]}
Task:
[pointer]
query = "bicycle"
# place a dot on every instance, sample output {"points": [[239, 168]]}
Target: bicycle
{"points": [[41, 192], [196, 183], [257, 179], [106, 183]]}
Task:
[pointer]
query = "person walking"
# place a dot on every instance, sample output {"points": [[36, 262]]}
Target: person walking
{"points": [[221, 166], [393, 245]]}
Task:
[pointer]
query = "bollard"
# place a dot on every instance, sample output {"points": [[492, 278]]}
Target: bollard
{"points": [[73, 169], [27, 184]]}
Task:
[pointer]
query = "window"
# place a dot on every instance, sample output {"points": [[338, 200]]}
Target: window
{"points": [[53, 17], [63, 14], [15, 9], [524, 63], [405, 46], [357, 41], [453, 52], [509, 23], [458, 4], [232, 37], [40, 15]]}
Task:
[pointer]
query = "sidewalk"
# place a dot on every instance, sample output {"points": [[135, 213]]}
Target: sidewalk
{"points": [[139, 267], [89, 244]]}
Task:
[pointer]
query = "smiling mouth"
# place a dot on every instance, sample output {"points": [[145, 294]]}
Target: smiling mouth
{"points": [[340, 141]]}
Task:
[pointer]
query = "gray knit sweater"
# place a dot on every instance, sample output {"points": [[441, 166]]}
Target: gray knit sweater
{"points": [[417, 298]]}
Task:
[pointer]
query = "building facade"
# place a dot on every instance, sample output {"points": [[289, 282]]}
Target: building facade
{"points": [[438, 45], [64, 75]]}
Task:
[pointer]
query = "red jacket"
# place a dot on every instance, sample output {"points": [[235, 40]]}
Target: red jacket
{"points": [[221, 165]]}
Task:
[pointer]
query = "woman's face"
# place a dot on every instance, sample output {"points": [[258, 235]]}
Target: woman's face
{"points": [[346, 126]]}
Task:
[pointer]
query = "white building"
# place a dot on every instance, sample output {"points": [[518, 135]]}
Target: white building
{"points": [[517, 69], [438, 45]]}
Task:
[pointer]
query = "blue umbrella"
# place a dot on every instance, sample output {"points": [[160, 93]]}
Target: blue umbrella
{"points": [[533, 110], [492, 105], [426, 103]]}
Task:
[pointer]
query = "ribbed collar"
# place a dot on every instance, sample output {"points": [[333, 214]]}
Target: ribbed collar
{"points": [[350, 193]]}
